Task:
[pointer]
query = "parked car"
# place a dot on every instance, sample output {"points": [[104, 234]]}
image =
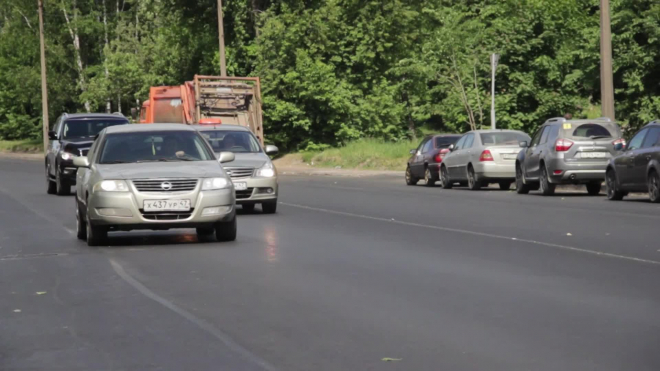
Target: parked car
{"points": [[156, 177], [638, 168], [426, 159], [481, 157], [72, 135], [567, 152], [252, 172]]}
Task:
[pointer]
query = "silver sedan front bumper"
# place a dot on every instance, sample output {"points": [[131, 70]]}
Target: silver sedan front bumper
{"points": [[258, 190]]}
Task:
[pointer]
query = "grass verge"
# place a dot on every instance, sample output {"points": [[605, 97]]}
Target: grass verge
{"points": [[371, 154], [22, 146]]}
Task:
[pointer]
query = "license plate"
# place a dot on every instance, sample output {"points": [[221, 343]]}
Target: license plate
{"points": [[166, 205], [240, 186], [593, 155], [509, 156]]}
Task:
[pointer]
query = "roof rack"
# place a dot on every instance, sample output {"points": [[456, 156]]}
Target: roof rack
{"points": [[557, 119], [604, 118], [118, 113]]}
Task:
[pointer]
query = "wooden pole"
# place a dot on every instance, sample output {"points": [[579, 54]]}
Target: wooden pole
{"points": [[221, 36], [44, 86], [606, 74]]}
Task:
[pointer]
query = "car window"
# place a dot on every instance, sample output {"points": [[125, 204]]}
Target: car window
{"points": [[537, 137], [504, 138], [591, 130], [554, 133], [469, 140], [421, 145], [545, 134], [444, 142], [79, 128], [152, 146], [428, 146], [652, 138], [92, 150], [637, 140], [460, 142], [232, 141]]}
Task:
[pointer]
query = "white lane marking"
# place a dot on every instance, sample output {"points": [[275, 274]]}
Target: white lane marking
{"points": [[203, 325], [474, 233]]}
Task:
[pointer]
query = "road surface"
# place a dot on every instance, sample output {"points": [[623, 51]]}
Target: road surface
{"points": [[349, 272]]}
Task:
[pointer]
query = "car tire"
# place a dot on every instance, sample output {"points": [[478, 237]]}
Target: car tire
{"points": [[51, 187], [594, 188], [654, 187], [613, 192], [429, 178], [248, 207], [521, 187], [505, 186], [473, 183], [444, 177], [269, 207], [62, 187], [205, 233], [96, 235], [410, 179], [81, 226], [226, 231], [547, 188]]}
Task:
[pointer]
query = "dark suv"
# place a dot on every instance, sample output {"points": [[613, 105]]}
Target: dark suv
{"points": [[72, 135], [425, 160]]}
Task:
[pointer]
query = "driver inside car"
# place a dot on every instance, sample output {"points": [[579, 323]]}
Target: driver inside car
{"points": [[170, 148]]}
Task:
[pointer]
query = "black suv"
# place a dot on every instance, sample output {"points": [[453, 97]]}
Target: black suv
{"points": [[72, 135]]}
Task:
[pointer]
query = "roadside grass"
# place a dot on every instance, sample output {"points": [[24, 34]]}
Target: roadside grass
{"points": [[22, 146], [372, 154]]}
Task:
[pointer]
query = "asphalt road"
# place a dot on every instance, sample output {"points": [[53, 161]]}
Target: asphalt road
{"points": [[350, 271]]}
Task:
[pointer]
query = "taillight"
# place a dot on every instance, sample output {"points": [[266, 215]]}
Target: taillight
{"points": [[563, 145], [440, 155], [486, 156]]}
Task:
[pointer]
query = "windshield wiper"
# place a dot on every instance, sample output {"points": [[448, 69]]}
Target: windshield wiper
{"points": [[114, 162]]}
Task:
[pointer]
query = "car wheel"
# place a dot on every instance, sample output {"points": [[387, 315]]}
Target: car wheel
{"points": [[547, 188], [505, 186], [429, 178], [654, 187], [444, 177], [226, 231], [204, 233], [473, 183], [81, 226], [613, 192], [521, 187], [51, 188], [96, 235], [63, 188], [410, 179], [594, 188], [269, 207], [248, 207]]}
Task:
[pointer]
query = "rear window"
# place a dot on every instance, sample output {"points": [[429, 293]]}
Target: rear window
{"points": [[503, 138], [591, 131], [444, 142]]}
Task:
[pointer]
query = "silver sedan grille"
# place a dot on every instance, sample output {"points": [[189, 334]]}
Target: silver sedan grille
{"points": [[239, 172], [165, 185]]}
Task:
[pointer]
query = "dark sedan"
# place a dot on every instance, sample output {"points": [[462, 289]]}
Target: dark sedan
{"points": [[637, 169], [425, 160]]}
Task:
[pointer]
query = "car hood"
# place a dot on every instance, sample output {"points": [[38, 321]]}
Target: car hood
{"points": [[147, 170], [255, 160]]}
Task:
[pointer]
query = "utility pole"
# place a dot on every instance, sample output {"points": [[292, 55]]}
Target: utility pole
{"points": [[494, 59], [606, 74], [44, 86], [221, 36]]}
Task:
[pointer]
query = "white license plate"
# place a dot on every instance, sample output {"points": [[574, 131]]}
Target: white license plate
{"points": [[593, 155], [240, 186], [509, 156], [166, 205]]}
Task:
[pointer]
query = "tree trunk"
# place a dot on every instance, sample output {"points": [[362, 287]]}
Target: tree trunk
{"points": [[108, 102], [73, 31], [411, 128]]}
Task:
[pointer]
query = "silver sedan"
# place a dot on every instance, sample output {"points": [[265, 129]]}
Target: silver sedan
{"points": [[482, 157]]}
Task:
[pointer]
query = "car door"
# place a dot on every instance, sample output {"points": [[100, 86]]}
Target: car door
{"points": [[427, 153], [452, 158], [643, 156], [417, 163], [533, 153], [626, 162], [53, 148], [461, 158]]}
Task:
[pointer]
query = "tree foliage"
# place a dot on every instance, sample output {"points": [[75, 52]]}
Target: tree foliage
{"points": [[333, 71]]}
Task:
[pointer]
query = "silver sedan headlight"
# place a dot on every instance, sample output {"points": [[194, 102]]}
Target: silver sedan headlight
{"points": [[266, 171], [212, 184], [111, 186]]}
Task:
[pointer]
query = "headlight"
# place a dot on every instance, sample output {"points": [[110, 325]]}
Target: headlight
{"points": [[266, 171], [67, 156], [214, 183], [111, 186]]}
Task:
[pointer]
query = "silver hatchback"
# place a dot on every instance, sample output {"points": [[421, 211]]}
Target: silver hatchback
{"points": [[157, 177], [567, 152]]}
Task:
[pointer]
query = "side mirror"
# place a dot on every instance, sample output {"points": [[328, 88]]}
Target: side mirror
{"points": [[271, 150], [52, 135], [226, 157], [452, 147], [81, 161], [523, 144], [619, 147], [412, 151]]}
